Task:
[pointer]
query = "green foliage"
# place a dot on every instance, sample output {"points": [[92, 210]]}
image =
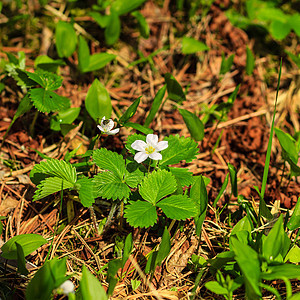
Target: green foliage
{"points": [[66, 39], [21, 260], [180, 148], [142, 23], [294, 221], [49, 277], [113, 28], [131, 110], [67, 116], [174, 89], [250, 62], [98, 102], [190, 46], [28, 242], [194, 124], [226, 64]]}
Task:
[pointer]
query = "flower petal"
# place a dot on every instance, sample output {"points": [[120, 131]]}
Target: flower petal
{"points": [[110, 125], [114, 131], [100, 128], [139, 145], [155, 156], [162, 145], [152, 139], [140, 157]]}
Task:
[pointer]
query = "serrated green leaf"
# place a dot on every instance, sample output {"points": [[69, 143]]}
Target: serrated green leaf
{"points": [[49, 81], [180, 148], [131, 110], [28, 242], [97, 101], [49, 186], [53, 167], [140, 214], [157, 185], [193, 123], [190, 46], [48, 101], [184, 176], [110, 186], [133, 138], [175, 91], [90, 286], [178, 207], [86, 191], [113, 28], [109, 160], [155, 105], [135, 173], [66, 39]]}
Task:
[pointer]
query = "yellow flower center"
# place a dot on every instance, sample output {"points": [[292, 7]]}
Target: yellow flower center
{"points": [[149, 150]]}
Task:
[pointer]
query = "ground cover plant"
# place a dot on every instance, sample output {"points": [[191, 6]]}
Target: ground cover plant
{"points": [[149, 149]]}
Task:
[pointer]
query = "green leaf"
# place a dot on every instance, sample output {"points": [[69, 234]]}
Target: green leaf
{"points": [[233, 179], [48, 64], [288, 144], [123, 7], [83, 55], [102, 20], [175, 91], [97, 101], [109, 160], [49, 81], [28, 242], [66, 39], [293, 255], [110, 186], [248, 262], [143, 25], [150, 266], [226, 64], [250, 62], [178, 207], [53, 167], [164, 247], [113, 28], [21, 260], [294, 58], [193, 123], [90, 286], [49, 277], [274, 243], [138, 127], [113, 266], [128, 245], [50, 186], [279, 30], [294, 21], [98, 61], [289, 271], [294, 221], [157, 185], [180, 148], [48, 101], [135, 173], [86, 191], [216, 288], [184, 176], [243, 224], [190, 46], [140, 214], [131, 110], [67, 116], [155, 105], [222, 190]]}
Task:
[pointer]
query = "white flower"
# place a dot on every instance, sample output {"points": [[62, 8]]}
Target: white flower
{"points": [[107, 126], [149, 149], [67, 287]]}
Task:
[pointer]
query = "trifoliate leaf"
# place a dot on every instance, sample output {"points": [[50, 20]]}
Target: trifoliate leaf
{"points": [[48, 101], [86, 191], [178, 207], [49, 186], [110, 186], [133, 138], [140, 214], [134, 174], [53, 168], [49, 81], [108, 160], [184, 176], [180, 148], [157, 185]]}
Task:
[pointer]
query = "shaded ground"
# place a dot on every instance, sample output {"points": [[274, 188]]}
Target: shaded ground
{"points": [[243, 141]]}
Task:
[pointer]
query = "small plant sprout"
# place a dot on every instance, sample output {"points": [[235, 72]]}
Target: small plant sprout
{"points": [[107, 126], [149, 149], [67, 288]]}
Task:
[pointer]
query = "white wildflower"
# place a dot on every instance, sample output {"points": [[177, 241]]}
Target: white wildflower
{"points": [[149, 149], [67, 287], [107, 126]]}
